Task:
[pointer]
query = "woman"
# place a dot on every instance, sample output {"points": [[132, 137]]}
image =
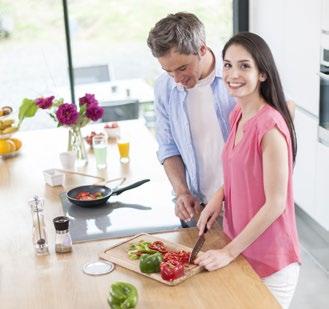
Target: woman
{"points": [[258, 162]]}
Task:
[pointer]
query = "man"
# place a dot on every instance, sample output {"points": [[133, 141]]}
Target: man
{"points": [[192, 109]]}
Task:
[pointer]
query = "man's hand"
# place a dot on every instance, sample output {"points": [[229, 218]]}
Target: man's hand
{"points": [[186, 205]]}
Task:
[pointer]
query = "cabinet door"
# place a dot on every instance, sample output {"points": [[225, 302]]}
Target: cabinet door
{"points": [[322, 186], [304, 173], [302, 53], [292, 30]]}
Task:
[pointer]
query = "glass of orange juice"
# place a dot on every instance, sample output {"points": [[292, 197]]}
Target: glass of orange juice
{"points": [[123, 146]]}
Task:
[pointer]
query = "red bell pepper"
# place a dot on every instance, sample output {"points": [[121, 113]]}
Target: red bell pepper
{"points": [[180, 256], [158, 246], [171, 270]]}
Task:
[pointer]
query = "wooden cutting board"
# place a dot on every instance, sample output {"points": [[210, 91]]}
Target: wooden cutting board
{"points": [[118, 254]]}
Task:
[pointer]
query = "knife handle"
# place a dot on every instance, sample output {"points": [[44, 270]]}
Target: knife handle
{"points": [[205, 228]]}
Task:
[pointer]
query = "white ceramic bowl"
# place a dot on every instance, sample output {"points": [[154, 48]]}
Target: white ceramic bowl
{"points": [[6, 136], [53, 177]]}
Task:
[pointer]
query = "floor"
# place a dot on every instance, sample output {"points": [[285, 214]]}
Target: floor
{"points": [[313, 287]]}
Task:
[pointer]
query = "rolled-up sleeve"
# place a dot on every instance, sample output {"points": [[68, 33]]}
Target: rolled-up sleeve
{"points": [[167, 146]]}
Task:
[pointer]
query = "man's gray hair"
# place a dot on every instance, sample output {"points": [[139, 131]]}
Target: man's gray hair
{"points": [[183, 31]]}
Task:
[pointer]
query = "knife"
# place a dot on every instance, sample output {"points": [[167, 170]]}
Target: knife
{"points": [[198, 245]]}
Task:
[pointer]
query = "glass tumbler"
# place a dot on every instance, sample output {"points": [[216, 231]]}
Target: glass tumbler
{"points": [[100, 150]]}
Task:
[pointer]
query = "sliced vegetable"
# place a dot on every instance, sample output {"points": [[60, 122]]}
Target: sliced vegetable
{"points": [[158, 246], [88, 196], [180, 256], [150, 263], [123, 295], [171, 270], [136, 250]]}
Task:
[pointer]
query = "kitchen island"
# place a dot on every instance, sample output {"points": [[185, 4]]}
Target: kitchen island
{"points": [[57, 280]]}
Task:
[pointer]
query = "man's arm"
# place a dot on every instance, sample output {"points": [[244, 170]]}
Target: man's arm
{"points": [[185, 201], [168, 154]]}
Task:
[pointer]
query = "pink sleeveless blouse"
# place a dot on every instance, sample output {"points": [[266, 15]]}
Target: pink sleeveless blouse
{"points": [[278, 246]]}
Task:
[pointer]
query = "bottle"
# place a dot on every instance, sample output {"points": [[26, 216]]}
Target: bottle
{"points": [[39, 235], [63, 242]]}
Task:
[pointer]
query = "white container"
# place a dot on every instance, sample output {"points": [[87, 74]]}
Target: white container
{"points": [[67, 159], [53, 177]]}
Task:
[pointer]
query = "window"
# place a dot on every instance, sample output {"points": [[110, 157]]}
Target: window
{"points": [[104, 33]]}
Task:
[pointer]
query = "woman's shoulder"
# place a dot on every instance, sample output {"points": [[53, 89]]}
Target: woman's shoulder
{"points": [[271, 118]]}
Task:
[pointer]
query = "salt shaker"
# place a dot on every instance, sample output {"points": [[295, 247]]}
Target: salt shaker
{"points": [[63, 238], [39, 235]]}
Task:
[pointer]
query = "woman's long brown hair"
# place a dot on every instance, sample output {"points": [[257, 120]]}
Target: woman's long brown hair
{"points": [[270, 89]]}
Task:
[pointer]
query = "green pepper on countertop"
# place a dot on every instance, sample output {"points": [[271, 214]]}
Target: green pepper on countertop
{"points": [[150, 263], [123, 295]]}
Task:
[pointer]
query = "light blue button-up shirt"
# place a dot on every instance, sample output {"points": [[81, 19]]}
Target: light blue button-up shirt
{"points": [[172, 124]]}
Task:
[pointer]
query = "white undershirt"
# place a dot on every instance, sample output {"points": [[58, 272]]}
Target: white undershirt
{"points": [[207, 137]]}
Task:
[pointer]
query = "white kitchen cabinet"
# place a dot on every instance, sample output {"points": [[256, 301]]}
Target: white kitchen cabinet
{"points": [[292, 30], [305, 168], [322, 186], [302, 53]]}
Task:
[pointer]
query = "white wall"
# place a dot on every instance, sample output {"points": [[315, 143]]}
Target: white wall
{"points": [[292, 29]]}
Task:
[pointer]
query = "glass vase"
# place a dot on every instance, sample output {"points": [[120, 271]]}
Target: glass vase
{"points": [[76, 144]]}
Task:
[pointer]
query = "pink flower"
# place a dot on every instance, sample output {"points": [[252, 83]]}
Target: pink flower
{"points": [[94, 112], [67, 114], [88, 99], [44, 103]]}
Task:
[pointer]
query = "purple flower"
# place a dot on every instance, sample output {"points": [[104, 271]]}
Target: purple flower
{"points": [[94, 112], [44, 103], [67, 114], [88, 99]]}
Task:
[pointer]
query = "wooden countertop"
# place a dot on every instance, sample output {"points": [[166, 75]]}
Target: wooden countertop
{"points": [[57, 281]]}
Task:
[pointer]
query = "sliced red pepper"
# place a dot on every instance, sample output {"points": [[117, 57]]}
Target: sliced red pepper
{"points": [[171, 270], [180, 256], [158, 246]]}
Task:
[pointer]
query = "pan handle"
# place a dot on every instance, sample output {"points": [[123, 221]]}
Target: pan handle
{"points": [[134, 185]]}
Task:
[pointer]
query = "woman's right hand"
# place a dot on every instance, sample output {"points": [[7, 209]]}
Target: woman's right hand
{"points": [[211, 212]]}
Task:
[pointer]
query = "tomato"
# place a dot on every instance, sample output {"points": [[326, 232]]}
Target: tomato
{"points": [[171, 270], [87, 196], [158, 246]]}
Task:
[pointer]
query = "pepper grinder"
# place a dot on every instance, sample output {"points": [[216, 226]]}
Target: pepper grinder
{"points": [[63, 242], [39, 236]]}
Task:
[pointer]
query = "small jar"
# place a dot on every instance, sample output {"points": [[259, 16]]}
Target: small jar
{"points": [[63, 241], [39, 235]]}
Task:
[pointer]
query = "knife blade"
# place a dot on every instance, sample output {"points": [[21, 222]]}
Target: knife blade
{"points": [[198, 245]]}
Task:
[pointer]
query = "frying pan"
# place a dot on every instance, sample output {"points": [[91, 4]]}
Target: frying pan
{"points": [[106, 192]]}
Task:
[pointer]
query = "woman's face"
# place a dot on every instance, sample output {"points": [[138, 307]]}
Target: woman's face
{"points": [[241, 75]]}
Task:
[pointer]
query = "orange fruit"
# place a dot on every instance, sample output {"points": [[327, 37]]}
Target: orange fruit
{"points": [[17, 142], [6, 146]]}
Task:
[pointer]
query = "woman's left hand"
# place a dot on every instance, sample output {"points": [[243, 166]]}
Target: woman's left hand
{"points": [[214, 259]]}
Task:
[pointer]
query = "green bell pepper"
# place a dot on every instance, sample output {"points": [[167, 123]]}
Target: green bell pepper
{"points": [[137, 249], [150, 263], [123, 295]]}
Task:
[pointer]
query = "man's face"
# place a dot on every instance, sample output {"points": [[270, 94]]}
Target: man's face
{"points": [[185, 69]]}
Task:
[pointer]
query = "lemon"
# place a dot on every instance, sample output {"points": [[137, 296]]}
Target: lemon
{"points": [[6, 146], [17, 142]]}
